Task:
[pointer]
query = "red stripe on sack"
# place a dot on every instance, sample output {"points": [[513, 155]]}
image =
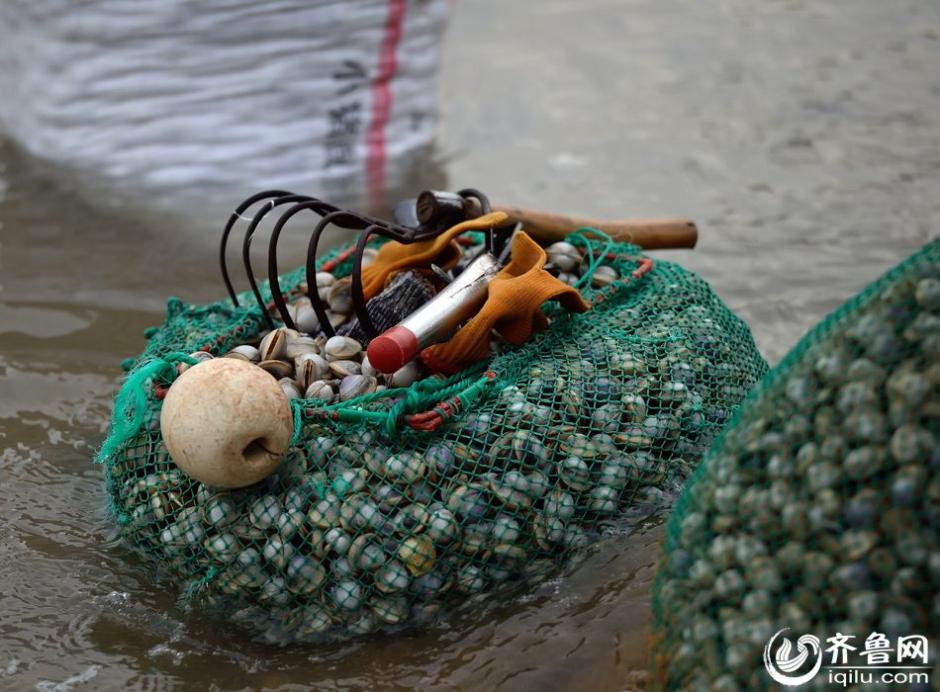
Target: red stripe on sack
{"points": [[382, 104]]}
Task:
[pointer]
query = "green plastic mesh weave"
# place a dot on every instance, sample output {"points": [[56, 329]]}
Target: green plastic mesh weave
{"points": [[369, 523], [819, 509]]}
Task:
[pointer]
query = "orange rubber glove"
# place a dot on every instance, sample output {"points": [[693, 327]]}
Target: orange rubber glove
{"points": [[394, 257], [512, 308]]}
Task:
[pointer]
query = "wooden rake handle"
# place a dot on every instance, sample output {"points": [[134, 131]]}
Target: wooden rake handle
{"points": [[546, 227], [650, 234]]}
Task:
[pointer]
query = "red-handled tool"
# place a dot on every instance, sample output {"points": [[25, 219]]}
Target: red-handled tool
{"points": [[457, 302]]}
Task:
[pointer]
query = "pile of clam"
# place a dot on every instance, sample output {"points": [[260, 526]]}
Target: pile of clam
{"points": [[336, 295], [320, 368], [819, 511], [568, 264], [310, 366]]}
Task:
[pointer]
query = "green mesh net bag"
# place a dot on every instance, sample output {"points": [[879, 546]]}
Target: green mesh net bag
{"points": [[369, 523], [819, 508]]}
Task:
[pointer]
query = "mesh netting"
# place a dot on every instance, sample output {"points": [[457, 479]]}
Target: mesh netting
{"points": [[369, 523], [819, 508]]}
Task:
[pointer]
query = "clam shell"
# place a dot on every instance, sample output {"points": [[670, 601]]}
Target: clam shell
{"points": [[560, 504], [200, 356], [309, 368], [476, 539], [278, 369], [418, 554], [304, 575], [442, 527], [339, 296], [290, 522], [366, 554], [223, 547], [468, 502], [412, 519], [603, 499], [388, 496], [347, 595], [359, 512], [244, 352], [320, 390], [506, 529], [273, 346], [604, 275], [325, 514], [249, 570], [337, 540], [404, 376], [356, 385], [351, 480], [274, 592], [405, 468], [392, 577], [219, 512], [265, 512], [298, 346], [390, 610], [277, 551], [306, 317], [440, 459], [576, 474], [470, 579], [367, 368], [563, 256], [344, 368], [289, 387], [341, 348]]}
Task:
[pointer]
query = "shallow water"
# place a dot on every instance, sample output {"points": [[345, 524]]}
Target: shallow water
{"points": [[803, 137]]}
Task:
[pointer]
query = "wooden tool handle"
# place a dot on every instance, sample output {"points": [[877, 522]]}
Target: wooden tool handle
{"points": [[650, 234]]}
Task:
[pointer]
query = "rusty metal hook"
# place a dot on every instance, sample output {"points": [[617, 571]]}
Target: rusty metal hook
{"points": [[246, 248], [227, 230], [355, 289], [328, 212], [343, 219]]}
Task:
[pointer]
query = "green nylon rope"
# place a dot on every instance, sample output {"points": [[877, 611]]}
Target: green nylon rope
{"points": [[579, 237], [130, 406]]}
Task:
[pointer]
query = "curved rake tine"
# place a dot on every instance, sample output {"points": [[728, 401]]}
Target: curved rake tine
{"points": [[246, 247], [485, 208], [325, 210], [343, 219], [235, 216], [359, 301]]}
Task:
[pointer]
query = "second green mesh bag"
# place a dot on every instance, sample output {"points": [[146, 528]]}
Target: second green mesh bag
{"points": [[819, 510], [371, 523]]}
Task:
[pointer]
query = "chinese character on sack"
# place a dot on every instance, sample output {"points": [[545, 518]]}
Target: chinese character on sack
{"points": [[353, 73], [840, 644], [339, 154], [912, 647], [344, 120], [877, 649]]}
